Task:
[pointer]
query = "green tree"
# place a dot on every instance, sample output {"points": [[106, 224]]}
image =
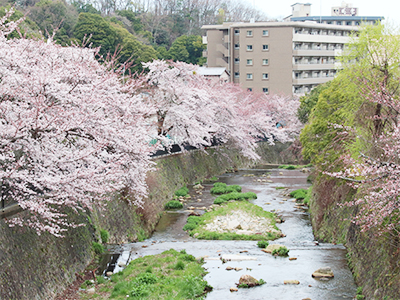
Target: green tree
{"points": [[188, 49], [308, 102], [132, 49], [101, 32], [50, 15], [27, 27]]}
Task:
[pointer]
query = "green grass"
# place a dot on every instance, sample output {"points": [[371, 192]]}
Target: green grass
{"points": [[182, 192], [280, 188], [214, 178], [235, 196], [97, 248], [282, 251], [299, 194], [173, 204], [195, 224], [104, 235], [294, 167], [222, 188], [174, 275], [262, 244]]}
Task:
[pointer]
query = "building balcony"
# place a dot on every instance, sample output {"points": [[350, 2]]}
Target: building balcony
{"points": [[311, 80], [313, 52], [309, 38], [313, 67]]}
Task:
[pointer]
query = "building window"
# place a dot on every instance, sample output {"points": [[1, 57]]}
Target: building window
{"points": [[348, 23], [265, 90], [265, 61], [265, 76], [338, 22], [249, 33], [249, 76], [249, 47], [249, 89], [249, 62], [236, 74], [265, 47], [237, 60], [265, 33], [237, 31], [357, 23]]}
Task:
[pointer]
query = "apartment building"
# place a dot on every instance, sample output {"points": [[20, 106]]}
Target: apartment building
{"points": [[278, 57]]}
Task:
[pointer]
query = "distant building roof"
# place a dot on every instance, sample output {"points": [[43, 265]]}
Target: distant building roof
{"points": [[215, 71], [336, 18]]}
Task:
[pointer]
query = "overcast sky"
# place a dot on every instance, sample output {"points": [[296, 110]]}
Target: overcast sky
{"points": [[390, 9]]}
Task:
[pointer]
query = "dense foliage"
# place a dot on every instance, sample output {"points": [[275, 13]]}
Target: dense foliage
{"points": [[353, 131]]}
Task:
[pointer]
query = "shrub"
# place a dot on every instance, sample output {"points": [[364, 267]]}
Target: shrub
{"points": [[183, 191], [262, 244], [104, 235], [97, 248], [173, 204], [282, 251]]}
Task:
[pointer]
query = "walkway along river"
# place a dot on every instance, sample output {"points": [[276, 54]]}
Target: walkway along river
{"points": [[274, 270]]}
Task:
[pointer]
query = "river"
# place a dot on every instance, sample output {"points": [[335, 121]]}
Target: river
{"points": [[274, 270]]}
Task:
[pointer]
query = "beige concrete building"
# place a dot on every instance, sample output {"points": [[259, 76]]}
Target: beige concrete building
{"points": [[278, 57]]}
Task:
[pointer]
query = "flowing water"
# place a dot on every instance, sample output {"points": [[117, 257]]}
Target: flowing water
{"points": [[274, 270]]}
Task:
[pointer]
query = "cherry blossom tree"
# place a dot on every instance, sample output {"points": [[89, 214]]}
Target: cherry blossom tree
{"points": [[69, 134], [376, 172], [190, 109]]}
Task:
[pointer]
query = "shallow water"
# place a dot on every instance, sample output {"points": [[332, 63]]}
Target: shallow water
{"points": [[274, 270]]}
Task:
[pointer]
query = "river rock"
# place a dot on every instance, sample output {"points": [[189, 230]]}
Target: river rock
{"points": [[238, 269], [291, 282], [228, 268], [121, 264], [91, 291], [292, 258], [109, 274], [198, 187], [325, 272], [270, 181], [249, 280], [271, 248], [233, 289]]}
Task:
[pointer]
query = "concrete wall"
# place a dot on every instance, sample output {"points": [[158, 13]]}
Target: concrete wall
{"points": [[37, 267]]}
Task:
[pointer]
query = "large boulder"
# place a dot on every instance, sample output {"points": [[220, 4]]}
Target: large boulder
{"points": [[271, 248], [325, 272], [250, 281]]}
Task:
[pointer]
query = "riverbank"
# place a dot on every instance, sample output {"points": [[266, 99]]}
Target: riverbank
{"points": [[39, 267], [227, 261], [374, 259]]}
